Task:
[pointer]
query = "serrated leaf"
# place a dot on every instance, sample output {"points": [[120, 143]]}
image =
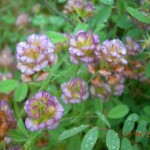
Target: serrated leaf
{"points": [[81, 26], [138, 15], [22, 127], [118, 112], [112, 140], [7, 86], [56, 37], [141, 131], [90, 139], [107, 2], [71, 132], [129, 123], [104, 119], [125, 144], [21, 92]]}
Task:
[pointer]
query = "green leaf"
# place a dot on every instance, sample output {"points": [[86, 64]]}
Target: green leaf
{"points": [[125, 144], [74, 143], [7, 86], [147, 110], [22, 127], [147, 70], [81, 26], [129, 123], [107, 2], [21, 92], [135, 147], [138, 15], [18, 138], [112, 140], [141, 131], [104, 119], [56, 37], [90, 139], [118, 112], [102, 16], [71, 132], [99, 28]]}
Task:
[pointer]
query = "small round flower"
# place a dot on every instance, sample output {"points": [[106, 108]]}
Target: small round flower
{"points": [[132, 47], [112, 51], [22, 20], [35, 54], [74, 91], [82, 48], [44, 111], [6, 58]]}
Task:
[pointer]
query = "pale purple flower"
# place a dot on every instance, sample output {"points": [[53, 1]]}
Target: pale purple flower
{"points": [[83, 8], [44, 111], [82, 48], [74, 91], [22, 20], [35, 54], [112, 51], [133, 48], [8, 113]]}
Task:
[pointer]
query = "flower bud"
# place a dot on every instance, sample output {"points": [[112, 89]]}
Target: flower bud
{"points": [[74, 91], [82, 48]]}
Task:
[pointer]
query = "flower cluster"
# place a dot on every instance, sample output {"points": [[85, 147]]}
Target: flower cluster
{"points": [[7, 119], [44, 111], [82, 48], [83, 8], [112, 62], [34, 55], [74, 91]]}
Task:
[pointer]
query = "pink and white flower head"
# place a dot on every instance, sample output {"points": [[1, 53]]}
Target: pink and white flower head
{"points": [[8, 113], [133, 48], [82, 48], [83, 8], [44, 111], [74, 91], [35, 54], [112, 51], [22, 20]]}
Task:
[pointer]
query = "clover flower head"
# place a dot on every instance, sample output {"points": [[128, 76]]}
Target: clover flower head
{"points": [[8, 113], [83, 8], [82, 48], [6, 58], [112, 51], [133, 48], [74, 91], [35, 54], [44, 111], [22, 20]]}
